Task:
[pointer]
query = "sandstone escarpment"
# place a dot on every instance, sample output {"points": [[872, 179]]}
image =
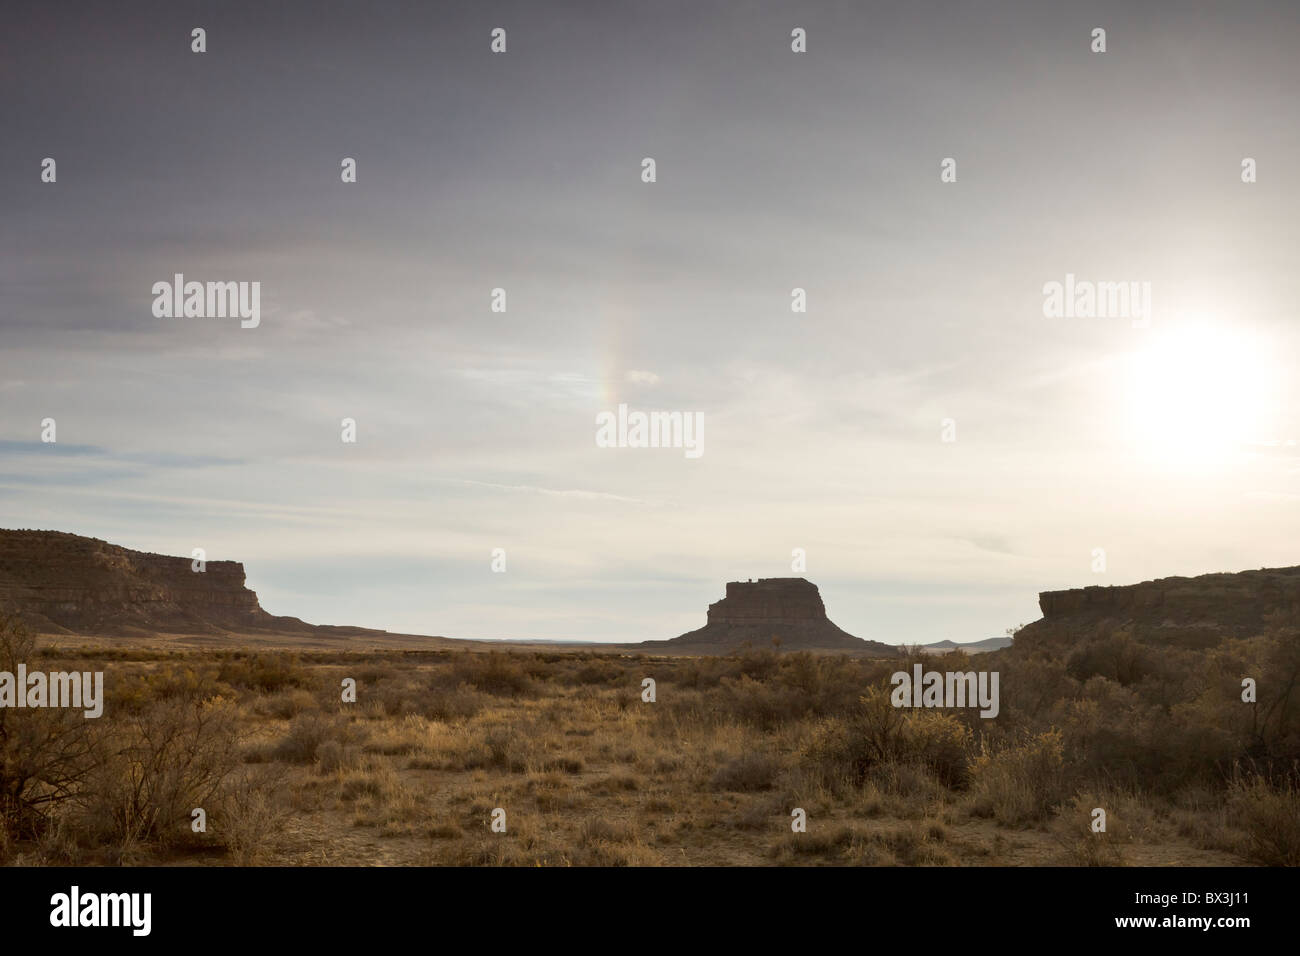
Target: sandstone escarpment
{"points": [[61, 582], [1195, 612], [755, 612]]}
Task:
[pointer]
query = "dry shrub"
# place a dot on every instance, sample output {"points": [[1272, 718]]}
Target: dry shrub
{"points": [[266, 672], [172, 680], [1270, 815], [498, 674], [286, 704], [46, 753], [307, 732], [747, 773], [497, 749], [457, 703], [908, 787], [599, 671], [878, 735], [162, 764], [1020, 783]]}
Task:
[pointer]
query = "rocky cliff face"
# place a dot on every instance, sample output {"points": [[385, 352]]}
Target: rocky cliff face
{"points": [[755, 612], [1195, 612], [67, 583]]}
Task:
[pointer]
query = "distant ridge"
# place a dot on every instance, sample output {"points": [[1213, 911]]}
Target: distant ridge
{"points": [[68, 584], [970, 647], [61, 583], [786, 613], [1191, 612]]}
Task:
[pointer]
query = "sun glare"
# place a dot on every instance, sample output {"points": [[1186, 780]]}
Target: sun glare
{"points": [[1201, 394]]}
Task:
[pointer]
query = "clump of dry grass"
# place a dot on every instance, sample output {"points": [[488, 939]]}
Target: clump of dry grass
{"points": [[1081, 844], [333, 756], [250, 816], [375, 779], [614, 783], [601, 830], [919, 843]]}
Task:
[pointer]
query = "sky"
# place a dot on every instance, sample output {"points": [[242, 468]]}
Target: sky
{"points": [[1080, 450]]}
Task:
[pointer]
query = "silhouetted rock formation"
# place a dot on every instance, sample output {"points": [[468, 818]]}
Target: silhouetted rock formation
{"points": [[61, 582], [755, 612], [1193, 612]]}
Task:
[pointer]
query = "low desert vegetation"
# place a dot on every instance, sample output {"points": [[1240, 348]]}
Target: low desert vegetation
{"points": [[440, 749]]}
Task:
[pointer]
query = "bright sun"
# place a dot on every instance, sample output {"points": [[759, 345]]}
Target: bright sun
{"points": [[1199, 394]]}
